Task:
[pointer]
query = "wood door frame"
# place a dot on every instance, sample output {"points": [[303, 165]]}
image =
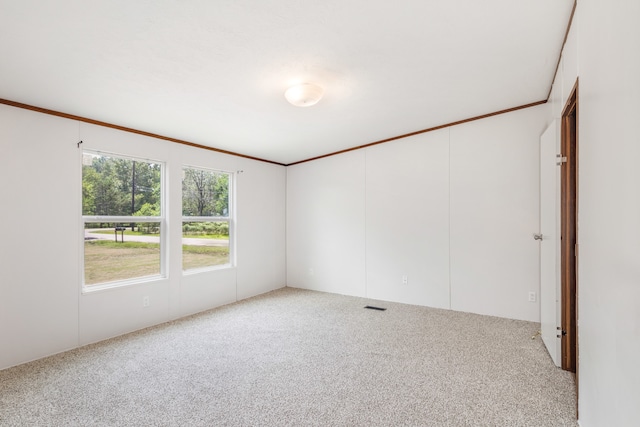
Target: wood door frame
{"points": [[569, 233]]}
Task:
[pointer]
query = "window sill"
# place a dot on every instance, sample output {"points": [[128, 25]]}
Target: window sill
{"points": [[89, 289], [201, 270]]}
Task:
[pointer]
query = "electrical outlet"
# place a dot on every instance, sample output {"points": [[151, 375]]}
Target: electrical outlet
{"points": [[145, 301], [405, 280], [532, 296], [311, 272]]}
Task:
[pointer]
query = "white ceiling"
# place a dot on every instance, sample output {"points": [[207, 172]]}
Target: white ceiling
{"points": [[213, 72]]}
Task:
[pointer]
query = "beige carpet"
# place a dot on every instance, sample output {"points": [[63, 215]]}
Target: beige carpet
{"points": [[300, 358]]}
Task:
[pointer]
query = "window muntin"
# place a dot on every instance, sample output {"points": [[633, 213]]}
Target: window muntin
{"points": [[206, 218], [122, 218]]}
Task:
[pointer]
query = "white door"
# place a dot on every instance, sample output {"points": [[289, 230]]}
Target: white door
{"points": [[550, 243]]}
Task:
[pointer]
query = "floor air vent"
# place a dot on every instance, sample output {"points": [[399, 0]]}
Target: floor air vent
{"points": [[371, 307]]}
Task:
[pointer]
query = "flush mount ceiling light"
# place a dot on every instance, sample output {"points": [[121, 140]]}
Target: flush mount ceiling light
{"points": [[304, 95]]}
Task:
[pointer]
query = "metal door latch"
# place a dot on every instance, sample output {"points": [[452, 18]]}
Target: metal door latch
{"points": [[563, 332], [560, 159]]}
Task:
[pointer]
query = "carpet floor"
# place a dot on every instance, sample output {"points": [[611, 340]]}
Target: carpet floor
{"points": [[301, 358]]}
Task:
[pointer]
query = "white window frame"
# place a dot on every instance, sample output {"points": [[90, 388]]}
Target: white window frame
{"points": [[128, 219], [228, 219]]}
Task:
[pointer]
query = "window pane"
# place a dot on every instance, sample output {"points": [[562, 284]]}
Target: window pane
{"points": [[119, 187], [205, 244], [205, 193], [114, 252]]}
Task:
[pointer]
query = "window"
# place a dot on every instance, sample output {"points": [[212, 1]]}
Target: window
{"points": [[206, 218], [123, 219]]}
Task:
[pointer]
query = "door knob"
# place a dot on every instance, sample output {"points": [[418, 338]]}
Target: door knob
{"points": [[537, 236]]}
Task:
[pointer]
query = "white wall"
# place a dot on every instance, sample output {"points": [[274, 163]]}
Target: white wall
{"points": [[39, 248], [42, 308], [494, 213], [603, 51], [407, 220], [325, 224], [453, 210], [261, 222]]}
